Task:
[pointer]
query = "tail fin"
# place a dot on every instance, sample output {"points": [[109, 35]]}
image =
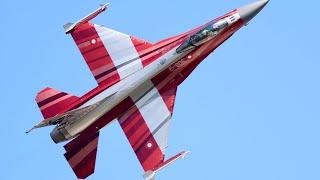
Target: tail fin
{"points": [[51, 101], [110, 55]]}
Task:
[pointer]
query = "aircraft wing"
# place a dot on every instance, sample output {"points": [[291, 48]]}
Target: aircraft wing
{"points": [[110, 55], [146, 126]]}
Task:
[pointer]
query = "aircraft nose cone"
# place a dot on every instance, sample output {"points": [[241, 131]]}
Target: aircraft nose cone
{"points": [[251, 10]]}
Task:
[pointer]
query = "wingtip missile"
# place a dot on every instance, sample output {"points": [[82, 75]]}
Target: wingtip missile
{"points": [[150, 175], [70, 26]]}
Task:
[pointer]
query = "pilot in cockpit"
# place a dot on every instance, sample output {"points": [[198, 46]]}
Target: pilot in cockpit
{"points": [[203, 35]]}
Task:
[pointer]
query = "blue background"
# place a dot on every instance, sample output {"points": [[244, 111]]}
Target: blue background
{"points": [[250, 111]]}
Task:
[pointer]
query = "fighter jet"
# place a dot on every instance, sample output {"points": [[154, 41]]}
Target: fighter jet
{"points": [[137, 85]]}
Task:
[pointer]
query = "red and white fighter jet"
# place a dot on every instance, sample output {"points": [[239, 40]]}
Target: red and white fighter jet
{"points": [[137, 85]]}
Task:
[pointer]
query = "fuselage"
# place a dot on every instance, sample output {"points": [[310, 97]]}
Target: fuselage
{"points": [[175, 59]]}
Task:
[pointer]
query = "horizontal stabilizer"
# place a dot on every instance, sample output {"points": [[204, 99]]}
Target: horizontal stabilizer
{"points": [[81, 154], [150, 175], [52, 102], [68, 116]]}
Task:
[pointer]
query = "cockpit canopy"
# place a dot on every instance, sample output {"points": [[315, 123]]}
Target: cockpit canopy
{"points": [[203, 35]]}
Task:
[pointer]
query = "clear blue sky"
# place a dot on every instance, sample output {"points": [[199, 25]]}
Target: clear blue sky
{"points": [[249, 112]]}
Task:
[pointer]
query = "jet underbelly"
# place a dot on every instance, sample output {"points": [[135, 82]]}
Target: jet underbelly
{"points": [[125, 88]]}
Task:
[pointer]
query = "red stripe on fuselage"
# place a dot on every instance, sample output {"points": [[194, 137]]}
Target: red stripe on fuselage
{"points": [[159, 49]]}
